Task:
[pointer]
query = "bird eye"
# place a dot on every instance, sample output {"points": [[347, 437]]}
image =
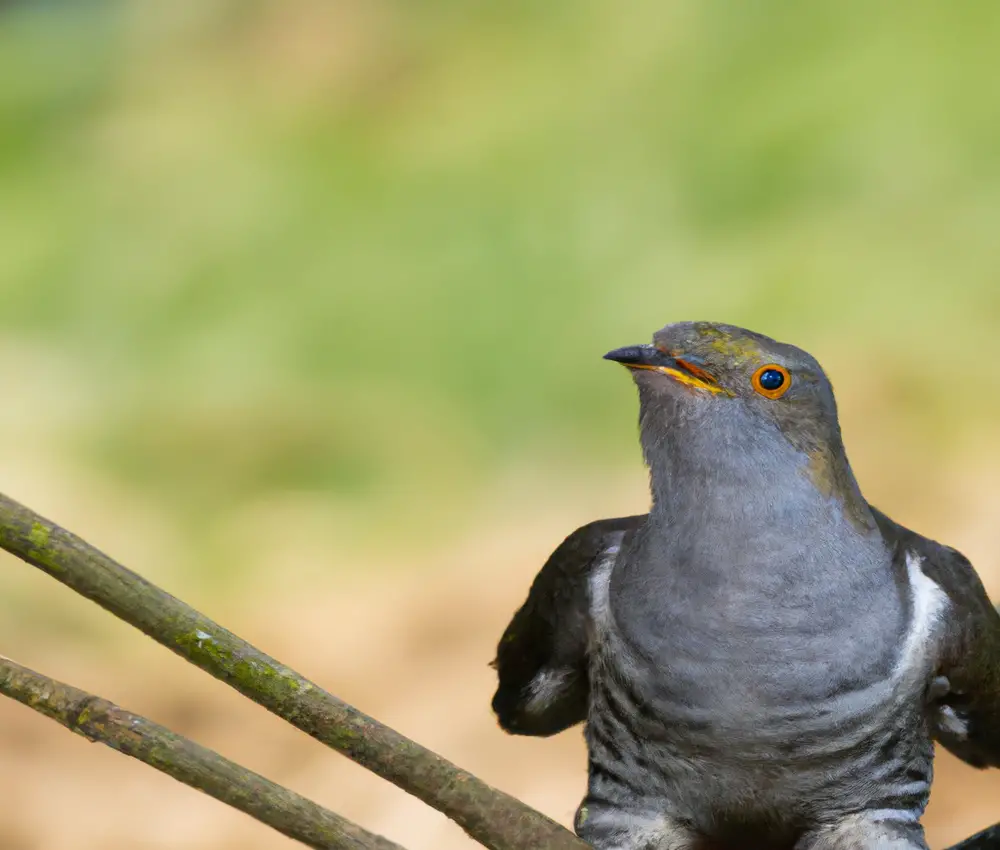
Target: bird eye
{"points": [[771, 381]]}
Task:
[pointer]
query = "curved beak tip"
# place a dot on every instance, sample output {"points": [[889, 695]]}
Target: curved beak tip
{"points": [[628, 354]]}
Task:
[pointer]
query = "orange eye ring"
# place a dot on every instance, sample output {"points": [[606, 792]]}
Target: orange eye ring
{"points": [[771, 381]]}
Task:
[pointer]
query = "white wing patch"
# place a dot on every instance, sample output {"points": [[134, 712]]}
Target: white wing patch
{"points": [[929, 603], [600, 580]]}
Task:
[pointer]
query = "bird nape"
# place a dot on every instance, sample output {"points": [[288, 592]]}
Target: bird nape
{"points": [[763, 659]]}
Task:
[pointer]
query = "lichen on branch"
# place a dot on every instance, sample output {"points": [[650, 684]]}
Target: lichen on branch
{"points": [[99, 720], [493, 818]]}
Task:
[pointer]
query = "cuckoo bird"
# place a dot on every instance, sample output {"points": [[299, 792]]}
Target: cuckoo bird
{"points": [[763, 660]]}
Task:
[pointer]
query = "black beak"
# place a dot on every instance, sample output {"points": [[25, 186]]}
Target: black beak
{"points": [[640, 355], [681, 369]]}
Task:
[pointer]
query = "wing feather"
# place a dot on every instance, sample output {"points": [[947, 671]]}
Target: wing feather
{"points": [[541, 660], [965, 699]]}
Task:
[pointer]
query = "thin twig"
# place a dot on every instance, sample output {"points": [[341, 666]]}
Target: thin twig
{"points": [[99, 720], [492, 818]]}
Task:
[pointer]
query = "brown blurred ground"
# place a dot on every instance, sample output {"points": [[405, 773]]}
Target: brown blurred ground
{"points": [[405, 639]]}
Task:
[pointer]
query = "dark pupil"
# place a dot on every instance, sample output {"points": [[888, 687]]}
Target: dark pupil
{"points": [[771, 379]]}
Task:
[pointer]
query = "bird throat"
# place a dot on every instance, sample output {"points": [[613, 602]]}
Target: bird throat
{"points": [[704, 471]]}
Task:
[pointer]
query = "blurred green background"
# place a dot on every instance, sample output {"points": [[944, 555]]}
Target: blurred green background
{"points": [[375, 249], [345, 270]]}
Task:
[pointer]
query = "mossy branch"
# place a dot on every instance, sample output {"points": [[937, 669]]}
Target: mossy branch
{"points": [[492, 818], [99, 720]]}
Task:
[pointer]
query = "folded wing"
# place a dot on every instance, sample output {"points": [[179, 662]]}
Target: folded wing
{"points": [[964, 702], [541, 660]]}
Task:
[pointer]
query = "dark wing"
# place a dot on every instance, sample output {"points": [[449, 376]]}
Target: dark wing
{"points": [[541, 659], [965, 711]]}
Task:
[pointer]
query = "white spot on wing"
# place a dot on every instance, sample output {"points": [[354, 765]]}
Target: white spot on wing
{"points": [[545, 688], [948, 721]]}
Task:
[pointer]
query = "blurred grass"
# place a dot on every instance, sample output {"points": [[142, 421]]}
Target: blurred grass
{"points": [[374, 250]]}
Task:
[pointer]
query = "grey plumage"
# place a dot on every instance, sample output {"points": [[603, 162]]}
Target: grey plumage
{"points": [[764, 659]]}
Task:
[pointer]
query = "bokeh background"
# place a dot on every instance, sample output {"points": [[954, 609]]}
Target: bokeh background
{"points": [[302, 305]]}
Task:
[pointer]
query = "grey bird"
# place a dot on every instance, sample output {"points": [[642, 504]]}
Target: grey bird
{"points": [[764, 660]]}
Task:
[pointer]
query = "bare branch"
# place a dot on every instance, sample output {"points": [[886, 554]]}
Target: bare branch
{"points": [[99, 720], [491, 817]]}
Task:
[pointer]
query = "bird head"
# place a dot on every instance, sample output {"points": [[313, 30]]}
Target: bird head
{"points": [[704, 362], [737, 400]]}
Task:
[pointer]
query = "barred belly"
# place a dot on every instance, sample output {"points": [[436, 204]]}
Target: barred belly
{"points": [[773, 773]]}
